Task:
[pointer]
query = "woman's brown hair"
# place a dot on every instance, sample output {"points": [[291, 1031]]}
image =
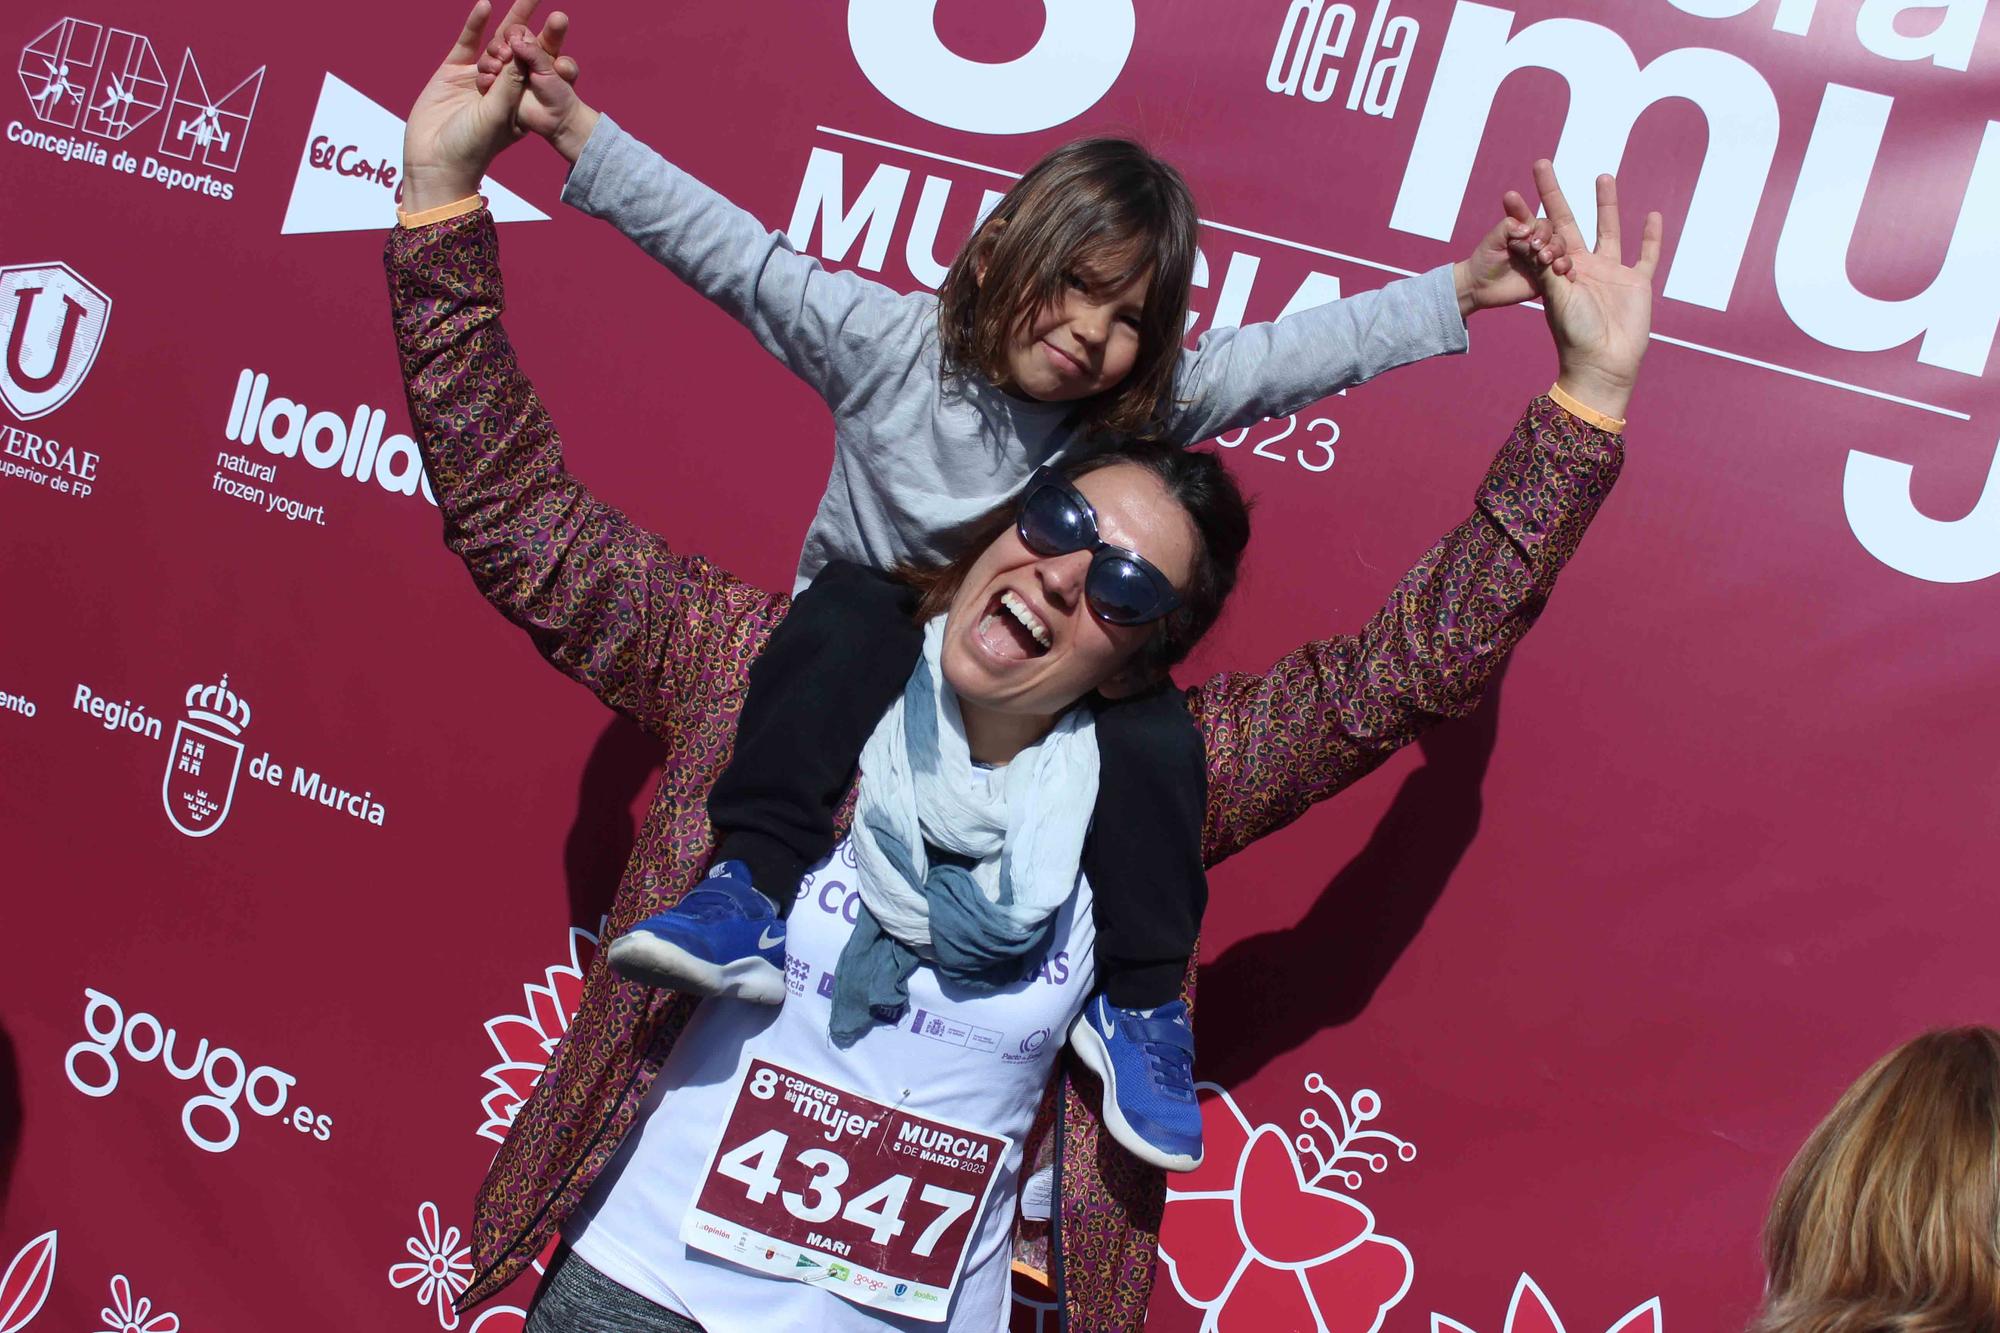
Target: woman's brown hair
{"points": [[1196, 481], [1105, 206], [1888, 1220]]}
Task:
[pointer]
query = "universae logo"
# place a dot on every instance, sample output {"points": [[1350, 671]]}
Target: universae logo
{"points": [[53, 320]]}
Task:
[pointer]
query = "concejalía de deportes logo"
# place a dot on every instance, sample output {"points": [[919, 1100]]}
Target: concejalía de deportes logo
{"points": [[87, 79]]}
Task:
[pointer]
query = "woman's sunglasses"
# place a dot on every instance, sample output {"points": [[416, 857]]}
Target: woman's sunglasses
{"points": [[1123, 587]]}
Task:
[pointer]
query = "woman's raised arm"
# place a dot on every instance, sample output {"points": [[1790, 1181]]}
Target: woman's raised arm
{"points": [[1333, 710], [609, 603]]}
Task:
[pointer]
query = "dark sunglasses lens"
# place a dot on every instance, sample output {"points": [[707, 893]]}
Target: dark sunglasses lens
{"points": [[1052, 523], [1122, 592]]}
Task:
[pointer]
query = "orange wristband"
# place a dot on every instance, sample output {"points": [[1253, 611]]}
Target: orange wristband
{"points": [[471, 203], [1589, 416]]}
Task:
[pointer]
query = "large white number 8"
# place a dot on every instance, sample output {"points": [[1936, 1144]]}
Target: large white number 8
{"points": [[1081, 53]]}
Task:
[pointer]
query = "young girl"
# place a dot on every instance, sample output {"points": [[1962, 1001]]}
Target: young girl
{"points": [[1057, 330]]}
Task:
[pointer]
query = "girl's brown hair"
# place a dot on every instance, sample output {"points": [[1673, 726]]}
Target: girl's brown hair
{"points": [[1102, 205], [1888, 1220]]}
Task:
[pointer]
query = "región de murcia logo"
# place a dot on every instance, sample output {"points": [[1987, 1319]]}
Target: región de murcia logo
{"points": [[204, 759], [206, 764]]}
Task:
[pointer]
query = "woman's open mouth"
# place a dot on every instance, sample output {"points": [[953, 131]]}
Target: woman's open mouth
{"points": [[1011, 630]]}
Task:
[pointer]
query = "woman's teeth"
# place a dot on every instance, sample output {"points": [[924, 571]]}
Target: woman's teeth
{"points": [[1029, 620]]}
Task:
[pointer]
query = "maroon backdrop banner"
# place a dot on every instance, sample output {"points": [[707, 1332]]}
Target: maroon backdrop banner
{"points": [[306, 850]]}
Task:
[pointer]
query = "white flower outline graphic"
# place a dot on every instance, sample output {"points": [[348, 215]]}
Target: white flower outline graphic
{"points": [[24, 1289], [443, 1267], [126, 1315], [1530, 1311], [526, 1040]]}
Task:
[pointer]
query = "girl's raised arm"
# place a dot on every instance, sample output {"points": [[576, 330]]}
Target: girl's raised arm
{"points": [[830, 329], [1237, 377], [826, 328]]}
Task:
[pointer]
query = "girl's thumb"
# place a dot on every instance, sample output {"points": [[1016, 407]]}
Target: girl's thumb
{"points": [[508, 85]]}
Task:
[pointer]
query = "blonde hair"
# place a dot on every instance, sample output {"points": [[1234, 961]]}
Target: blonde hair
{"points": [[1888, 1220]]}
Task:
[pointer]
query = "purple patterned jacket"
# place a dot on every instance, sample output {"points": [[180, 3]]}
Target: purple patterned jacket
{"points": [[667, 639]]}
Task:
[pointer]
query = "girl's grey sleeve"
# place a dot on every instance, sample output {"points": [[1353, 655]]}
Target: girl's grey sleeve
{"points": [[827, 328], [1237, 377]]}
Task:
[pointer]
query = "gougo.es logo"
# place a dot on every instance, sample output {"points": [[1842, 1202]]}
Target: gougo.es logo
{"points": [[210, 1118]]}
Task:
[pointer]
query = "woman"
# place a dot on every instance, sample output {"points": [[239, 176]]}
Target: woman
{"points": [[663, 1143], [1888, 1220]]}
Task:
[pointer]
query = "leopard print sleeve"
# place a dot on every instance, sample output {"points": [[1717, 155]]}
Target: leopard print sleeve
{"points": [[604, 600], [1333, 710]]}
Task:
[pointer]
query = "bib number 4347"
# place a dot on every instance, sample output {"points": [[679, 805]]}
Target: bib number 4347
{"points": [[812, 1181], [878, 1210]]}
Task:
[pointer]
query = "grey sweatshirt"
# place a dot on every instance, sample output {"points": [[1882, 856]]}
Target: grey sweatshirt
{"points": [[916, 453]]}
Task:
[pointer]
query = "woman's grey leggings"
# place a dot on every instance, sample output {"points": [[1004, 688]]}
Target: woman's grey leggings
{"points": [[576, 1298]]}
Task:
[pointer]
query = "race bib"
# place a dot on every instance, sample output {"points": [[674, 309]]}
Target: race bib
{"points": [[813, 1182]]}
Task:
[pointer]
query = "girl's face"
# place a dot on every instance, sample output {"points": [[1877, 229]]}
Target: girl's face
{"points": [[1083, 343], [1020, 643]]}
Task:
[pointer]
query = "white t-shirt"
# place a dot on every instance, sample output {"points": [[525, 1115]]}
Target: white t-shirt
{"points": [[980, 1061]]}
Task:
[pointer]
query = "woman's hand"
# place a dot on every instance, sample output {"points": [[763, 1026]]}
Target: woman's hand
{"points": [[454, 130], [1602, 312]]}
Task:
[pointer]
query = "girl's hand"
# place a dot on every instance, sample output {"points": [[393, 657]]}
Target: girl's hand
{"points": [[1502, 269], [498, 51], [551, 107], [454, 131], [1602, 313]]}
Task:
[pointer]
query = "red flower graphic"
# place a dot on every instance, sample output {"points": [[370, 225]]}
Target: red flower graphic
{"points": [[1257, 1243], [1531, 1312]]}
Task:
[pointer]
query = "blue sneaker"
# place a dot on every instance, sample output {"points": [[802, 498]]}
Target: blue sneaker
{"points": [[723, 938], [1146, 1059]]}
